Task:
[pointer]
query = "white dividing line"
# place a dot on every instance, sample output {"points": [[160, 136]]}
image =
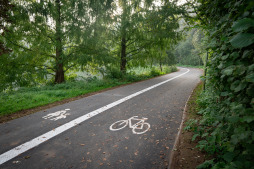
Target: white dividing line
{"points": [[43, 138]]}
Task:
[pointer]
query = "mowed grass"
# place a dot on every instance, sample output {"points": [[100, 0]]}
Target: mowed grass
{"points": [[26, 98]]}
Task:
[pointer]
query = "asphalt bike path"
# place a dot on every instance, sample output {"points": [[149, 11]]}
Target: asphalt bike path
{"points": [[86, 140]]}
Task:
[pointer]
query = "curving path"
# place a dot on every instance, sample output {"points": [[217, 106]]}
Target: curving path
{"points": [[78, 134]]}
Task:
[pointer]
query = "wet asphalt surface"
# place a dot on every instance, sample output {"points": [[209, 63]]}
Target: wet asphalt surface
{"points": [[92, 144]]}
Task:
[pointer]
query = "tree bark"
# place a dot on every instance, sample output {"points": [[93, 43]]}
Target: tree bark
{"points": [[123, 61], [161, 64], [123, 56], [59, 74]]}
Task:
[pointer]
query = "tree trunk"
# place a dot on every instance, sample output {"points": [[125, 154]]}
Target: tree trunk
{"points": [[123, 38], [59, 76], [123, 56], [161, 64]]}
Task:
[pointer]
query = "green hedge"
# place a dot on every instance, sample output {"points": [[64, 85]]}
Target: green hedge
{"points": [[227, 125]]}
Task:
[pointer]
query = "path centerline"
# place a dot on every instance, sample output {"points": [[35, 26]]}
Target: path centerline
{"points": [[43, 138]]}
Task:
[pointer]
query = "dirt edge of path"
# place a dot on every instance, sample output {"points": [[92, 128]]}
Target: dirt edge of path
{"points": [[185, 155]]}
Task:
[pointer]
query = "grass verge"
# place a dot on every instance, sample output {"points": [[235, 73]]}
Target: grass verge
{"points": [[15, 102]]}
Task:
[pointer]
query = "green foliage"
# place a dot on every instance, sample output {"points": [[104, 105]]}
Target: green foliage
{"points": [[191, 125], [243, 24], [191, 50], [226, 128], [43, 40], [47, 38], [142, 32], [206, 164], [154, 72], [242, 40], [114, 73]]}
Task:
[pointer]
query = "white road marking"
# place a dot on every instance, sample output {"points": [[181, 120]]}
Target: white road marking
{"points": [[43, 138], [141, 126], [57, 115]]}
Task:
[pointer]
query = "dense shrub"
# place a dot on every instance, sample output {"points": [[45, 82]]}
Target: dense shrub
{"points": [[154, 73], [227, 125]]}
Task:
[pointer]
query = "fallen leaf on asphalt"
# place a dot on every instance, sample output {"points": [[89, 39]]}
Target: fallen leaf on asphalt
{"points": [[136, 153], [89, 161], [16, 162], [126, 148], [82, 144], [88, 153], [27, 157], [115, 146], [104, 159], [120, 161], [101, 163]]}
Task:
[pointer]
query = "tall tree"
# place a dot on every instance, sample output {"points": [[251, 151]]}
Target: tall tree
{"points": [[142, 25], [57, 35]]}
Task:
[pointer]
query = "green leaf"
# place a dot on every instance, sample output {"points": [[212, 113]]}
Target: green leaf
{"points": [[224, 93], [242, 40], [225, 57], [240, 70], [233, 119], [234, 139], [248, 53], [250, 78], [248, 119], [194, 137], [234, 85], [206, 164], [240, 87], [251, 67], [234, 55], [250, 90], [229, 156], [228, 71], [243, 24]]}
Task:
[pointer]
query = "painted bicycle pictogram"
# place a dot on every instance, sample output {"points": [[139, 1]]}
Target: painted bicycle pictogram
{"points": [[57, 115], [139, 127]]}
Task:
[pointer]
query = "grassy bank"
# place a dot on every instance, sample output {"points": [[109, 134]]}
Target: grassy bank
{"points": [[26, 98]]}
